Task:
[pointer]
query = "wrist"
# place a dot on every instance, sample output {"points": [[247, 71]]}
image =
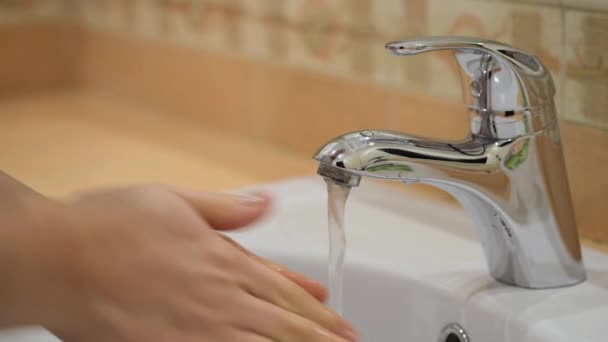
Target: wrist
{"points": [[30, 262]]}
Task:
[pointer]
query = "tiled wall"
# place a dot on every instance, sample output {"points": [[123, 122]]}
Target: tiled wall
{"points": [[295, 73], [345, 38], [37, 49], [20, 11]]}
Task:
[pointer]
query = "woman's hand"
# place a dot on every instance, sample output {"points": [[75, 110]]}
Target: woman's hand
{"points": [[147, 264]]}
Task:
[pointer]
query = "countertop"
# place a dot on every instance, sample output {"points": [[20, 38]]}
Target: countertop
{"points": [[64, 142]]}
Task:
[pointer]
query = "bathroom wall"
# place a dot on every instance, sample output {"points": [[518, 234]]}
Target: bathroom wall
{"points": [[294, 73], [344, 38], [37, 49]]}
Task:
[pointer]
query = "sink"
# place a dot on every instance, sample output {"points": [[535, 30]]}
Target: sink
{"points": [[414, 267]]}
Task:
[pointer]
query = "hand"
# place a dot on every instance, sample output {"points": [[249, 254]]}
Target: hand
{"points": [[145, 264]]}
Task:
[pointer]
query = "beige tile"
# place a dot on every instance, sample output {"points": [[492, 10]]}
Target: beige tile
{"points": [[180, 80], [15, 12], [587, 162], [587, 4], [318, 40], [307, 109], [261, 7], [587, 68], [387, 67], [540, 30], [534, 28], [148, 18], [296, 10], [261, 39], [396, 20], [273, 19], [334, 37], [265, 26], [362, 57], [358, 15], [418, 19], [36, 56], [107, 15], [389, 18], [489, 20], [428, 116], [555, 3]]}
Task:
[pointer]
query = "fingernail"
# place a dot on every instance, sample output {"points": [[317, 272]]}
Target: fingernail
{"points": [[349, 334], [347, 331], [251, 199]]}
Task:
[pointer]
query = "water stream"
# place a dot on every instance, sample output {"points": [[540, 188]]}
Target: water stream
{"points": [[337, 194]]}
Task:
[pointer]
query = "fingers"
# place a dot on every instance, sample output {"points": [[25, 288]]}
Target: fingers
{"points": [[225, 211], [316, 289], [271, 287], [284, 326]]}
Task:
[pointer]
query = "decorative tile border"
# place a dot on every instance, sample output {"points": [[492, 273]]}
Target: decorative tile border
{"points": [[345, 38], [21, 11], [586, 91]]}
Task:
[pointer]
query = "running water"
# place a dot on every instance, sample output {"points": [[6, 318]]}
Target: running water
{"points": [[337, 194]]}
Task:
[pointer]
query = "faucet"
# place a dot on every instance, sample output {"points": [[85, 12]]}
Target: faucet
{"points": [[508, 173]]}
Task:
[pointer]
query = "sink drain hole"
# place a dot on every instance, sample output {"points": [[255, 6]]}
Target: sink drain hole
{"points": [[453, 333], [453, 338]]}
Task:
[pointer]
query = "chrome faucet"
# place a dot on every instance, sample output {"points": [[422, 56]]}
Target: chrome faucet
{"points": [[508, 174]]}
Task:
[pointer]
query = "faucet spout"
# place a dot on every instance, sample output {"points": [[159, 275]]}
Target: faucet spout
{"points": [[512, 189], [392, 155]]}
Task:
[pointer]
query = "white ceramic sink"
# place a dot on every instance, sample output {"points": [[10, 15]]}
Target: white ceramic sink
{"points": [[414, 267]]}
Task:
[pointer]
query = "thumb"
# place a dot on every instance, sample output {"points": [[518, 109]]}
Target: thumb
{"points": [[226, 211]]}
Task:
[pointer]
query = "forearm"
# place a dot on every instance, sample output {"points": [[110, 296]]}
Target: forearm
{"points": [[12, 287], [25, 223]]}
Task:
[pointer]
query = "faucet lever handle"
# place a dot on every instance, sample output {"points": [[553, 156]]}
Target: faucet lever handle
{"points": [[498, 80]]}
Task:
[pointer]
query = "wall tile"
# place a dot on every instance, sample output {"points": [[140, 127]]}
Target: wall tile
{"points": [[555, 3], [587, 4], [318, 38], [387, 67], [533, 28], [18, 11], [417, 23], [388, 18], [262, 40], [273, 18], [102, 15], [345, 38], [307, 109], [587, 68], [36, 56], [210, 87], [601, 5], [147, 18]]}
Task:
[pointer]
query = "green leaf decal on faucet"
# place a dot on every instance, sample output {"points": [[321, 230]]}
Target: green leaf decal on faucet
{"points": [[389, 167], [515, 159]]}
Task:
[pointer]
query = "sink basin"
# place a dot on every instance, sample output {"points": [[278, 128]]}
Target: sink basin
{"points": [[414, 267]]}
